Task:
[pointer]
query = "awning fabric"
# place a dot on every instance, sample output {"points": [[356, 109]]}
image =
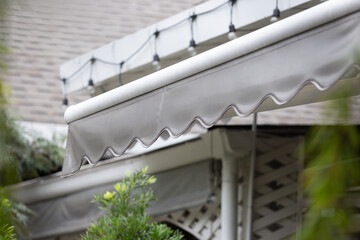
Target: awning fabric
{"points": [[74, 212], [318, 56]]}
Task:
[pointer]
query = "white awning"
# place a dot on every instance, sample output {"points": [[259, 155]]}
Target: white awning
{"points": [[286, 63], [73, 212]]}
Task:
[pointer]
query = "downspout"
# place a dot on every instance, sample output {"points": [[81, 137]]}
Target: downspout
{"points": [[250, 188], [229, 197]]}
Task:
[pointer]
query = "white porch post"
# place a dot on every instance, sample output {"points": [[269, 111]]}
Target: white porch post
{"points": [[231, 146], [229, 195]]}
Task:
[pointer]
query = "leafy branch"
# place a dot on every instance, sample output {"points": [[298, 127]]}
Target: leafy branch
{"points": [[126, 217]]}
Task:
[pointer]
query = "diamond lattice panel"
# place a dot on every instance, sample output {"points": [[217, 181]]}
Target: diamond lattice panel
{"points": [[203, 222], [275, 196], [275, 205]]}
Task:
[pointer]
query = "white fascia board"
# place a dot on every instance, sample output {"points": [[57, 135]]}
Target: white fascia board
{"points": [[206, 27], [251, 42]]}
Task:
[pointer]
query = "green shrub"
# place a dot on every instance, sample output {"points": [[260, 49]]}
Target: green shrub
{"points": [[31, 156], [333, 168], [13, 216], [126, 217], [6, 230], [40, 157]]}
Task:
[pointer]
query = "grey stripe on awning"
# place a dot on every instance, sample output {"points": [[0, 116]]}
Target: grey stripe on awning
{"points": [[74, 212], [293, 69]]}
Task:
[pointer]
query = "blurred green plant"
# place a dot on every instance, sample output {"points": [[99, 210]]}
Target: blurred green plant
{"points": [[8, 173], [6, 230], [42, 157], [37, 156], [13, 216], [24, 156], [125, 212], [21, 158], [27, 157], [333, 167]]}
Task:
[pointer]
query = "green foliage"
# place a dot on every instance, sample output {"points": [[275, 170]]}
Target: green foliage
{"points": [[333, 167], [8, 170], [27, 156], [12, 216], [40, 157], [126, 217], [7, 232], [24, 156]]}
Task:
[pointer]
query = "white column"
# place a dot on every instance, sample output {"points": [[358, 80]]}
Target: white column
{"points": [[229, 194]]}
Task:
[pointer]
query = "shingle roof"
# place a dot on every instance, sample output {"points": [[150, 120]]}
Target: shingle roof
{"points": [[43, 34]]}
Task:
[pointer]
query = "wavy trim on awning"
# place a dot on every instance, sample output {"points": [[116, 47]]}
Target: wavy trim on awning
{"points": [[318, 57]]}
